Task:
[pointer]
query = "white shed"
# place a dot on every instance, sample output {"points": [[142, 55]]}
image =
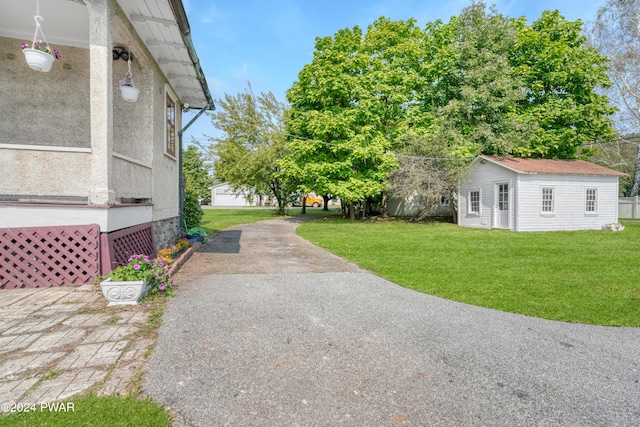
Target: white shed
{"points": [[538, 195], [224, 195]]}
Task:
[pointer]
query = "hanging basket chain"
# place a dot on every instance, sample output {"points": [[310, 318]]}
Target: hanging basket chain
{"points": [[127, 80], [39, 18], [36, 42]]}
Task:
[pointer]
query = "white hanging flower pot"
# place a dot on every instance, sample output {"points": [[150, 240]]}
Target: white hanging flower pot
{"points": [[128, 88], [38, 59], [39, 54], [129, 93]]}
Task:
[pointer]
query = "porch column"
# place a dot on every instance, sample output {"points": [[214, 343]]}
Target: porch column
{"points": [[102, 191]]}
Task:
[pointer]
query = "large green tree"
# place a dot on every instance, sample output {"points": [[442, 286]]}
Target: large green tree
{"points": [[349, 105], [508, 88], [616, 34], [253, 140], [562, 75], [476, 90]]}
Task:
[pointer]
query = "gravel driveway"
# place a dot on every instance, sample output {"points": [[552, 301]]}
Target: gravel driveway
{"points": [[269, 330]]}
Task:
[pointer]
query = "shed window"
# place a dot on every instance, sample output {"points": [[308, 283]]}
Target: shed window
{"points": [[591, 199], [171, 126], [474, 201], [547, 199]]}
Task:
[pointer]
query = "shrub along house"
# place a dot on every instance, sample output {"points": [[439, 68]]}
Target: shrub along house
{"points": [[89, 178], [538, 195]]}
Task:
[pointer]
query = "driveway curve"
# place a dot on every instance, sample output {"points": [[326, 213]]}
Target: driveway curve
{"points": [[266, 329]]}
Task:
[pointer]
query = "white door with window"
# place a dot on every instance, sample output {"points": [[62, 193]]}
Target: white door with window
{"points": [[502, 205]]}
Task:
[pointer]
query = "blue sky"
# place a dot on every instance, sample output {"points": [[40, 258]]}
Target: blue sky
{"points": [[267, 42]]}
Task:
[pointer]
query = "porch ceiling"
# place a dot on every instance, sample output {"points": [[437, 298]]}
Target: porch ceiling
{"points": [[66, 22]]}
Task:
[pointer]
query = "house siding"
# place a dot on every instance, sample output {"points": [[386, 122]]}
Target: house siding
{"points": [[483, 177], [525, 199], [224, 195], [569, 202]]}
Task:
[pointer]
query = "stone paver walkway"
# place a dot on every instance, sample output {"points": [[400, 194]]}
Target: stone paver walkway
{"points": [[58, 342]]}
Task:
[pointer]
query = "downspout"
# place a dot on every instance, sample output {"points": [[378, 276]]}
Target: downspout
{"points": [[209, 106], [185, 31]]}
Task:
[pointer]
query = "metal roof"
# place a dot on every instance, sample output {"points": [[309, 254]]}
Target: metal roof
{"points": [[551, 166]]}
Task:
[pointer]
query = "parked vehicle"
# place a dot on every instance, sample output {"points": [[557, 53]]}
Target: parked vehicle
{"points": [[311, 201]]}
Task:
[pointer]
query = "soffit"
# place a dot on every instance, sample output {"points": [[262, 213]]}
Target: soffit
{"points": [[66, 22]]}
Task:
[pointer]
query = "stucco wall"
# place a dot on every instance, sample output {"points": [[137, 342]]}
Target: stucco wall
{"points": [[48, 113], [165, 167], [44, 173], [132, 130], [45, 128], [49, 109]]}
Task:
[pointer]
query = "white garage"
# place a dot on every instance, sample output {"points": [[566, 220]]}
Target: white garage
{"points": [[224, 195]]}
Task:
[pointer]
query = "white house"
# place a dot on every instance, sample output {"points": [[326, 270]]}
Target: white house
{"points": [[538, 195], [87, 177], [223, 195]]}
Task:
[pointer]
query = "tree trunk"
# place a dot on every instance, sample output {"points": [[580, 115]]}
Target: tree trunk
{"points": [[279, 199], [636, 175], [304, 205], [424, 212], [325, 207], [352, 211], [383, 208], [453, 205]]}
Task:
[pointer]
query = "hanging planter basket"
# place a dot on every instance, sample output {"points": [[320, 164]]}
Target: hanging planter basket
{"points": [[39, 55], [128, 88], [129, 93], [37, 59]]}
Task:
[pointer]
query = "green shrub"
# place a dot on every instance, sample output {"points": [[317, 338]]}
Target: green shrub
{"points": [[191, 209]]}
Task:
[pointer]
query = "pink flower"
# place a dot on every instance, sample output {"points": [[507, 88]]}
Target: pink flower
{"points": [[136, 266], [162, 287]]}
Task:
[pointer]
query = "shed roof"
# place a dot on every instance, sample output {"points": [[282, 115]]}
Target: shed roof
{"points": [[552, 166]]}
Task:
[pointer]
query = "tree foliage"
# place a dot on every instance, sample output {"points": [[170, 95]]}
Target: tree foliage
{"points": [[426, 172], [482, 83], [192, 210], [349, 105], [196, 172], [616, 34], [477, 90], [561, 75], [253, 141]]}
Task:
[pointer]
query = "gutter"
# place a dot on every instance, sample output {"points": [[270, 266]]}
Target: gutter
{"points": [[185, 31], [181, 183]]}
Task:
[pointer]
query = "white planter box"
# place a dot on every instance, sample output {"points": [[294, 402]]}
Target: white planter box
{"points": [[124, 293]]}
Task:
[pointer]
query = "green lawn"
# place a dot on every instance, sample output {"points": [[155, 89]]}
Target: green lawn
{"points": [[91, 411], [575, 276], [215, 220]]}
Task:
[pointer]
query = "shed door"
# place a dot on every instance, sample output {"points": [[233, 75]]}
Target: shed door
{"points": [[502, 211]]}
